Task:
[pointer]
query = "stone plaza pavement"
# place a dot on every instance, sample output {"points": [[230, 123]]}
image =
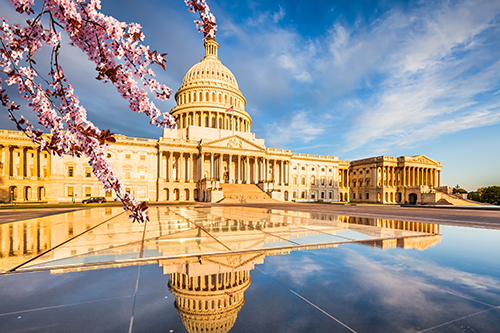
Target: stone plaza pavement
{"points": [[482, 217]]}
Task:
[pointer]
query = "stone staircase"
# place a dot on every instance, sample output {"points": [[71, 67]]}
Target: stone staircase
{"points": [[244, 193], [443, 198]]}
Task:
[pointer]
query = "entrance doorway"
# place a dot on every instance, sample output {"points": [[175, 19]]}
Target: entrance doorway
{"points": [[412, 199]]}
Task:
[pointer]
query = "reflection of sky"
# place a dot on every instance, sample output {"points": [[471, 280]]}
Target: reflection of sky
{"points": [[452, 286], [397, 290]]}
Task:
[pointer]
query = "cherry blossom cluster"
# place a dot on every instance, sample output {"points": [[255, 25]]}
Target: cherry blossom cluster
{"points": [[206, 23], [120, 58]]}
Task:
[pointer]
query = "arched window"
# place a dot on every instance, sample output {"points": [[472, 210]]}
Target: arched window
{"points": [[313, 180], [225, 99], [230, 100], [220, 98], [207, 97], [201, 97], [213, 97], [194, 97]]}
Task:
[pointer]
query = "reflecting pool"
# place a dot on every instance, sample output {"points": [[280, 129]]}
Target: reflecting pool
{"points": [[221, 269]]}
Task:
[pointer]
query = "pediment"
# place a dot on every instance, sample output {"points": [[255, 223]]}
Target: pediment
{"points": [[422, 159], [234, 142]]}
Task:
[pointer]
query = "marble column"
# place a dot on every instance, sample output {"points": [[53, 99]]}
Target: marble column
{"points": [[182, 168], [382, 176], [191, 168], [246, 171], [238, 171], [202, 163], [230, 168], [169, 167], [211, 174], [221, 167]]}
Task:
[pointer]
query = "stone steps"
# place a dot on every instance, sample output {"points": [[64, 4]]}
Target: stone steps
{"points": [[244, 193], [449, 199]]}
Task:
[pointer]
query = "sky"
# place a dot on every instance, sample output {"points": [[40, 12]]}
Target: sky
{"points": [[352, 79]]}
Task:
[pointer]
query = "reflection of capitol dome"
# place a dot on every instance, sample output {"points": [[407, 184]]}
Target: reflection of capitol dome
{"points": [[207, 91], [209, 303]]}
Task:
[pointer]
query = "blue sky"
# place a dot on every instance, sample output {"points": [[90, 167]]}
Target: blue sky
{"points": [[352, 79]]}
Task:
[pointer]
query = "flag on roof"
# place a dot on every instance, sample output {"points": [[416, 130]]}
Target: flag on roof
{"points": [[230, 109]]}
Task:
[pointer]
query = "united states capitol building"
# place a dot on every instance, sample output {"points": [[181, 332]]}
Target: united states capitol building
{"points": [[213, 156]]}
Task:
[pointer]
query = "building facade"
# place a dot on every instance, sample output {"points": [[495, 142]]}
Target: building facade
{"points": [[212, 156]]}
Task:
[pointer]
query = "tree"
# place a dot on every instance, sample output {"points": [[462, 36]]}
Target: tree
{"points": [[490, 194], [458, 189], [120, 58]]}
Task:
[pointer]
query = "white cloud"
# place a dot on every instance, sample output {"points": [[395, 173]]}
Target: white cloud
{"points": [[299, 127], [279, 15], [431, 85]]}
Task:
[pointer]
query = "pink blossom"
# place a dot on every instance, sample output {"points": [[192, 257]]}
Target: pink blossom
{"points": [[120, 58]]}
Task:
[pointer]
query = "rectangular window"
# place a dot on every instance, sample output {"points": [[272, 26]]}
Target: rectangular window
{"points": [[107, 194], [143, 157], [127, 156], [88, 172], [142, 174], [71, 171], [367, 196], [71, 191], [127, 173], [88, 192], [128, 190]]}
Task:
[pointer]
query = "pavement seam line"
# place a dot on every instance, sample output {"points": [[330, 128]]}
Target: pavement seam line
{"points": [[452, 321], [307, 301], [61, 306]]}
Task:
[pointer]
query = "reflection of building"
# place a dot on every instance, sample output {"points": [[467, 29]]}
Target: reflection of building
{"points": [[210, 290], [213, 156], [180, 231], [208, 252]]}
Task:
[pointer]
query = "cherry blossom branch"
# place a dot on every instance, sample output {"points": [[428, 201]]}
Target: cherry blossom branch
{"points": [[206, 23], [120, 58]]}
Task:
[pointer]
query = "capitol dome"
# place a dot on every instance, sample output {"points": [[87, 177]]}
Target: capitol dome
{"points": [[208, 90]]}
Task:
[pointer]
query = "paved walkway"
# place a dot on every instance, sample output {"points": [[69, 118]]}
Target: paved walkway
{"points": [[452, 216], [13, 215]]}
